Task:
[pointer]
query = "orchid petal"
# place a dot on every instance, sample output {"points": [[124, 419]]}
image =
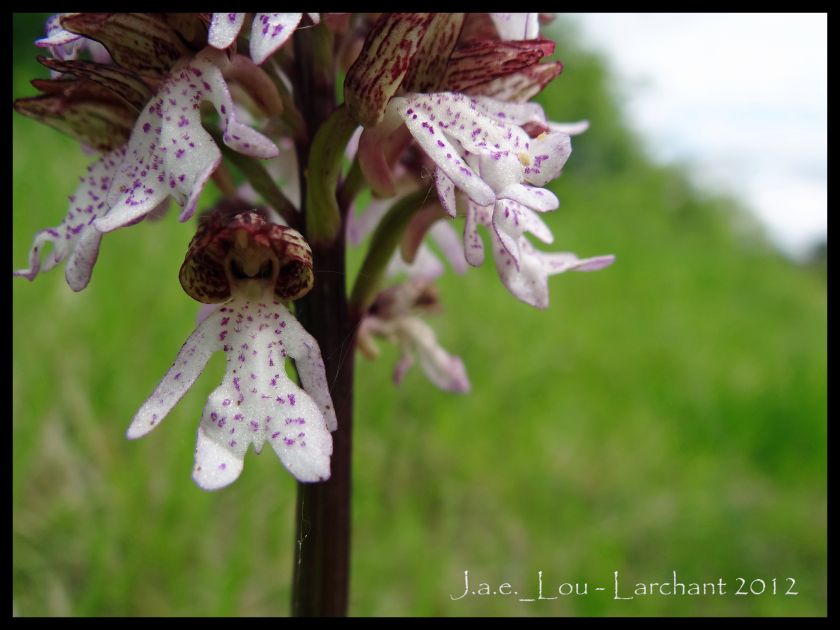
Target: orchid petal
{"points": [[75, 238], [419, 119], [303, 348], [256, 400], [550, 151], [539, 199], [447, 239], [270, 31], [425, 265], [473, 245], [361, 225], [444, 370], [445, 192], [188, 366], [224, 27], [570, 129], [170, 153]]}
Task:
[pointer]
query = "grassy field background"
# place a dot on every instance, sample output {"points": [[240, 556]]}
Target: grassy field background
{"points": [[667, 414]]}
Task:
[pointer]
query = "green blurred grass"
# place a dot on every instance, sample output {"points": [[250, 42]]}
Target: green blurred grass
{"points": [[668, 413]]}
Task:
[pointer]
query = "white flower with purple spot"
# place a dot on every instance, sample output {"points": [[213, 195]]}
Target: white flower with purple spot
{"points": [[269, 31], [256, 402], [523, 269], [170, 153]]}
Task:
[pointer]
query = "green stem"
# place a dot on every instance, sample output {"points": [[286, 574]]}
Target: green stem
{"points": [[323, 217], [352, 186], [385, 241]]}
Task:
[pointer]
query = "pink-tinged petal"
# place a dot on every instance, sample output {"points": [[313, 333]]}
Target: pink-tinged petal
{"points": [[57, 35], [418, 226], [256, 401], [379, 148], [425, 266], [187, 367], [570, 129], [359, 226], [402, 367], [270, 31], [382, 64], [445, 192], [559, 262], [539, 199], [516, 25], [444, 370], [170, 153], [256, 83], [75, 238], [445, 236], [315, 17], [549, 152], [224, 27]]}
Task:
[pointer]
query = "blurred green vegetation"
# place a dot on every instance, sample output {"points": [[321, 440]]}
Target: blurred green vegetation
{"points": [[668, 413]]}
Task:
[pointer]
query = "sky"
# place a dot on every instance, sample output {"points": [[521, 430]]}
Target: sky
{"points": [[740, 98]]}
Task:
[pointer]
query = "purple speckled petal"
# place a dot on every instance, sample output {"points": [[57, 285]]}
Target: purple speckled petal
{"points": [[444, 370], [303, 348], [224, 27], [421, 115], [75, 238], [256, 401], [529, 282], [511, 220], [445, 236], [270, 31], [549, 152], [445, 191], [65, 45], [169, 152], [473, 245], [539, 199], [188, 366], [510, 113]]}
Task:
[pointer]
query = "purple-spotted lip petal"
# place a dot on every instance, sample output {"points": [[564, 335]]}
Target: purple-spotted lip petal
{"points": [[256, 401]]}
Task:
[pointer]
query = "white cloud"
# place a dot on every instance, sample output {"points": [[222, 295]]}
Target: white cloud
{"points": [[741, 96]]}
